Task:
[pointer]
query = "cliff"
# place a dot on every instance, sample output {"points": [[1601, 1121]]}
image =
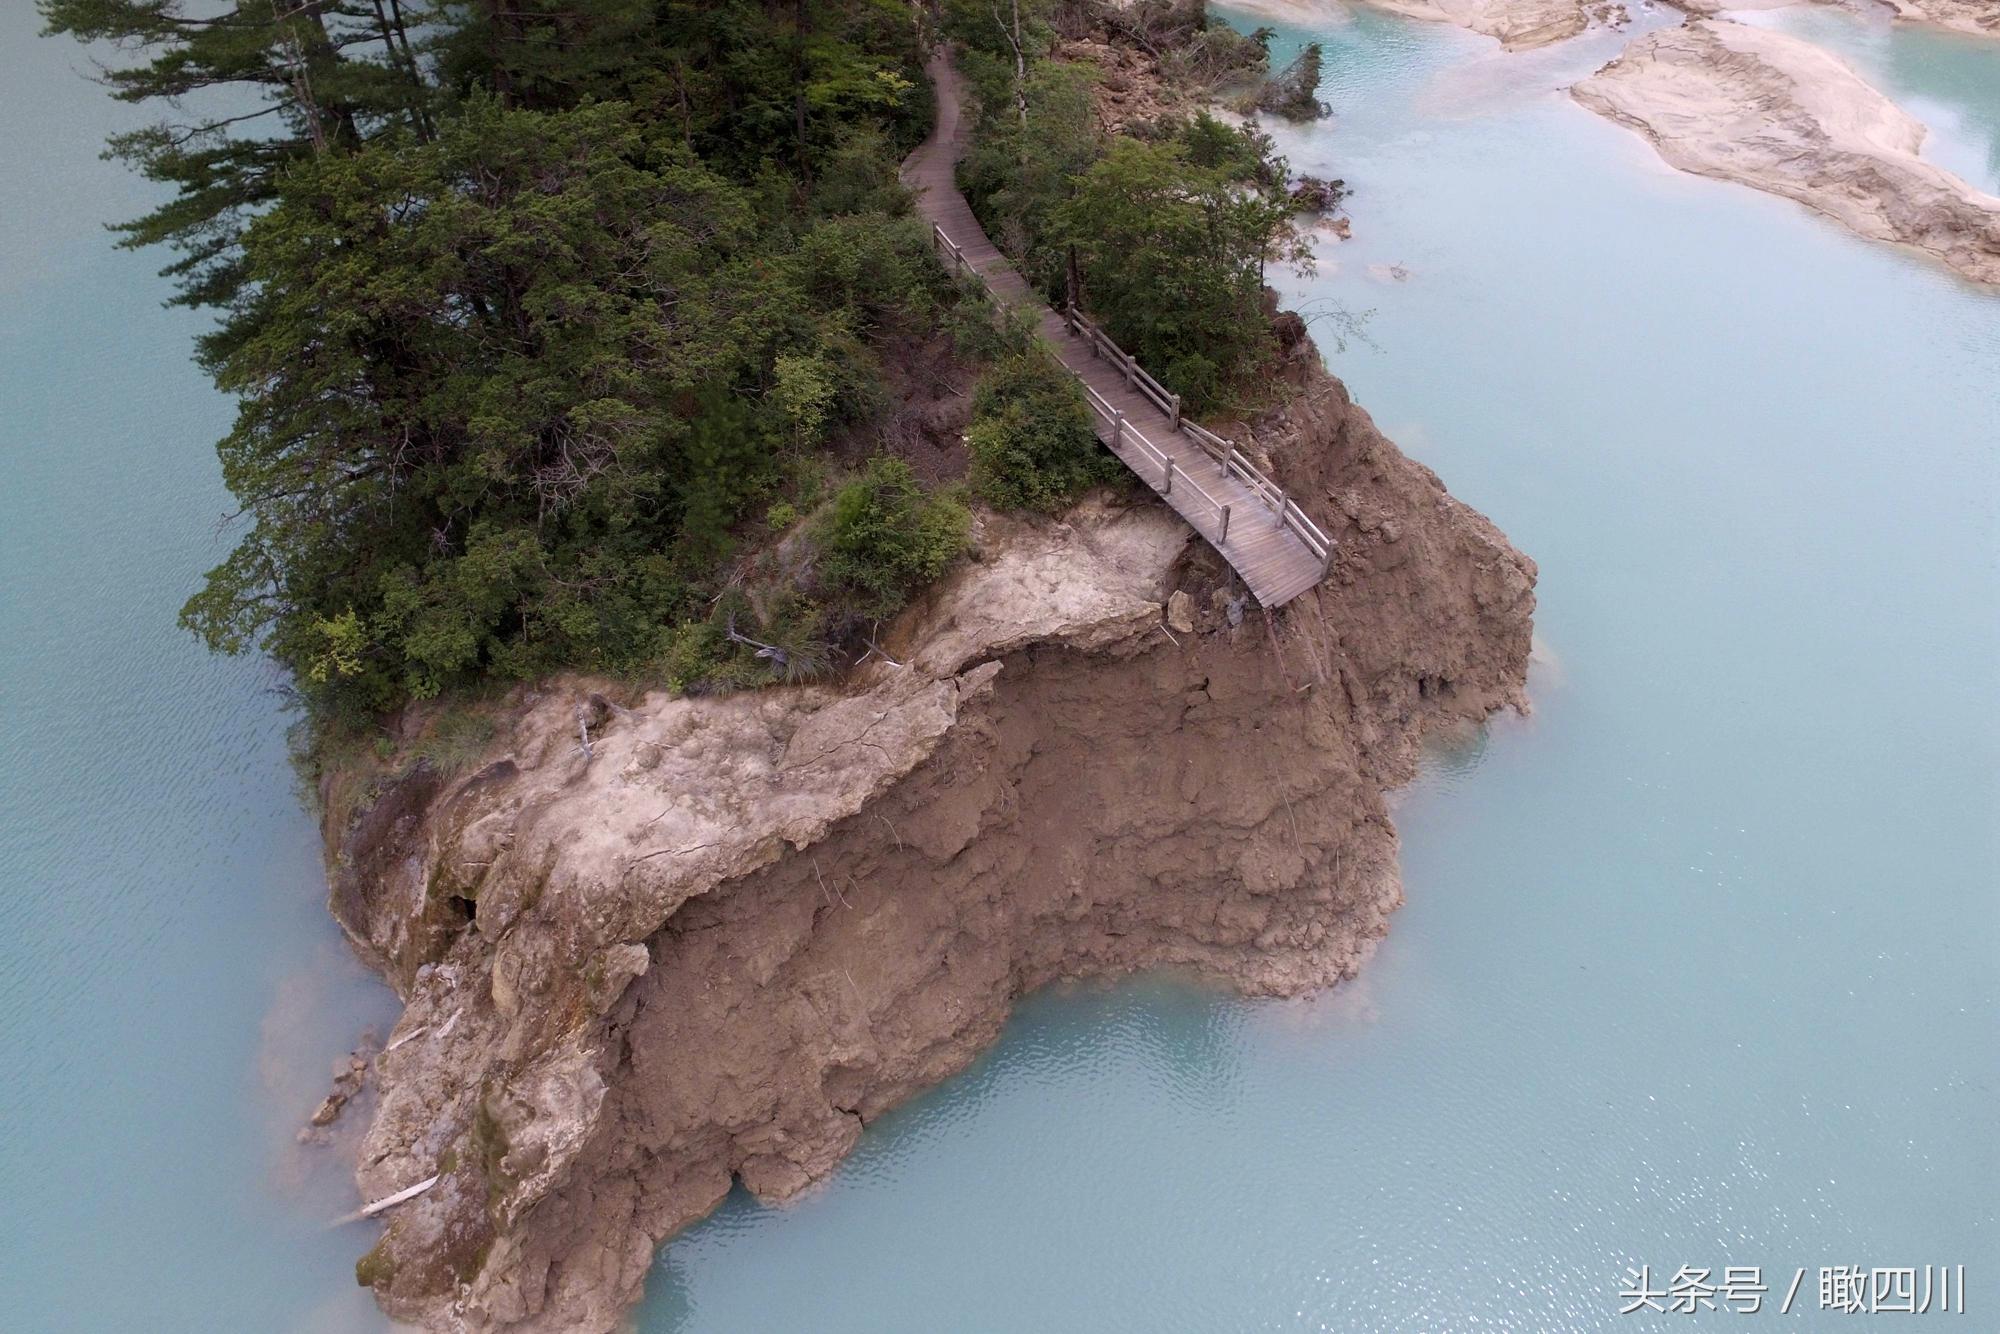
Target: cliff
{"points": [[720, 942], [1770, 111]]}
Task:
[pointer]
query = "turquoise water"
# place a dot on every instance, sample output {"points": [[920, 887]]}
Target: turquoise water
{"points": [[172, 993], [1697, 965]]}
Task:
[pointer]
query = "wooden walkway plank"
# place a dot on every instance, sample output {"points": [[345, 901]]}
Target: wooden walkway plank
{"points": [[1263, 535]]}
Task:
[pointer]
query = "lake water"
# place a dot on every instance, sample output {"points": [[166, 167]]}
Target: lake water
{"points": [[172, 992], [1698, 964]]}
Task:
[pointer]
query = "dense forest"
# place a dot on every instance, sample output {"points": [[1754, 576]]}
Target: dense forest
{"points": [[587, 333]]}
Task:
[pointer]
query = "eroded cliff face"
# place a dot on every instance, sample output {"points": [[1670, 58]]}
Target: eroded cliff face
{"points": [[738, 929]]}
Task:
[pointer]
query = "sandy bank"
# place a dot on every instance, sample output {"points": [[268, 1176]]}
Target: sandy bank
{"points": [[1981, 18], [1767, 110], [1518, 25]]}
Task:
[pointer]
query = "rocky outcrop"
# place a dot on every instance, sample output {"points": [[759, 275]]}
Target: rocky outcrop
{"points": [[1767, 110], [717, 944]]}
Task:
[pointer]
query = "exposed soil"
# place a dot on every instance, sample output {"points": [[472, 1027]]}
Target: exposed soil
{"points": [[740, 928]]}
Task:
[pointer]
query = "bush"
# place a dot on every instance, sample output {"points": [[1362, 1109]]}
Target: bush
{"points": [[1031, 438], [881, 538], [738, 647]]}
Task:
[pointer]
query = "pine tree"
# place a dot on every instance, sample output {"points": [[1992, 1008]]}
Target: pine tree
{"points": [[252, 87]]}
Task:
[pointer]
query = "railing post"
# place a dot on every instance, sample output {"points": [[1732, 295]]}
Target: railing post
{"points": [[1281, 501], [1169, 488], [1177, 411], [1223, 536], [1326, 560], [1130, 367], [1117, 428]]}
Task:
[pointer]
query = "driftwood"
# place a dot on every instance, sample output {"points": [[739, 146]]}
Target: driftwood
{"points": [[375, 1207]]}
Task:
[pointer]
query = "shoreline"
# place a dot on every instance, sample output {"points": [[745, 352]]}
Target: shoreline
{"points": [[1820, 135], [748, 925]]}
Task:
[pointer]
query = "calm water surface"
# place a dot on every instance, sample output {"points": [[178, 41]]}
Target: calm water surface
{"points": [[172, 992], [1698, 962]]}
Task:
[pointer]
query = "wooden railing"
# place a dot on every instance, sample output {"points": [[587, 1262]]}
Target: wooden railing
{"points": [[1232, 459], [1123, 432], [1135, 374]]}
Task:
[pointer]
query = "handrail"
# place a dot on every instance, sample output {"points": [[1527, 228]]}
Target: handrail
{"points": [[1233, 460], [1135, 374], [1121, 429]]}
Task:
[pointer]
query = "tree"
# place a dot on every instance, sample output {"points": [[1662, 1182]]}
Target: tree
{"points": [[527, 306], [1172, 258], [1032, 443], [882, 538], [470, 389], [1293, 92], [254, 86], [1019, 172]]}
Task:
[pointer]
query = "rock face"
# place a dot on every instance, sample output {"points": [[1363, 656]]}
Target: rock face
{"points": [[738, 929], [1768, 110]]}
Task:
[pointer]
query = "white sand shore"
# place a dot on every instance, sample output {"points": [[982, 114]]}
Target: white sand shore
{"points": [[1767, 110]]}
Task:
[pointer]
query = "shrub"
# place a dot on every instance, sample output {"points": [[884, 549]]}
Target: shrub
{"points": [[881, 538], [1031, 439]]}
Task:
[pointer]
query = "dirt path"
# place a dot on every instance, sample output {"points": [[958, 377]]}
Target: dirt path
{"points": [[1238, 520]]}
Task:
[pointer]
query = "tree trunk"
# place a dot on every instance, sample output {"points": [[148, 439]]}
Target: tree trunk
{"points": [[1013, 36], [801, 27], [400, 57]]}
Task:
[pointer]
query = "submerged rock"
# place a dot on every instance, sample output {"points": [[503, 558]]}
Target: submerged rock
{"points": [[1767, 110], [741, 928]]}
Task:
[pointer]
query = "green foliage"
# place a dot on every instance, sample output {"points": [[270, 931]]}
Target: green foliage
{"points": [[531, 310], [1293, 92], [982, 330], [1017, 177], [250, 87], [1166, 239], [881, 538], [455, 739], [735, 647], [1172, 256], [1031, 438], [527, 308]]}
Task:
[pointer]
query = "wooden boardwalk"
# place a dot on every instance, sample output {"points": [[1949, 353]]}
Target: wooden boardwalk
{"points": [[1260, 531]]}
